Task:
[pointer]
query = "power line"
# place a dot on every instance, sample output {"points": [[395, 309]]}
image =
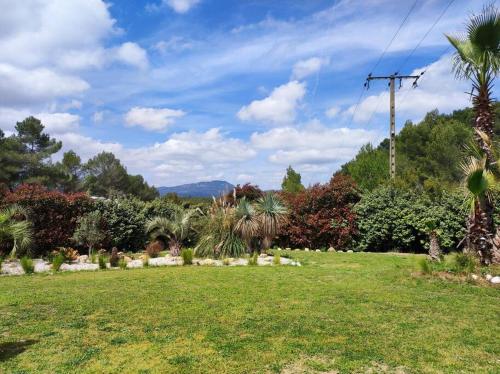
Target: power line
{"points": [[426, 34], [382, 56]]}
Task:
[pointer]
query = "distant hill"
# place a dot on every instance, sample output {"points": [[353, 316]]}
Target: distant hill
{"points": [[201, 189]]}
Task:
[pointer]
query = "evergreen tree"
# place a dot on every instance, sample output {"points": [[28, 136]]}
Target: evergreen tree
{"points": [[292, 181]]}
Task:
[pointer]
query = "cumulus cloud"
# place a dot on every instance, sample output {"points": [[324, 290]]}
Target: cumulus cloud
{"points": [[278, 108], [55, 123], [313, 144], [20, 87], [304, 68], [132, 54], [152, 119], [181, 6]]}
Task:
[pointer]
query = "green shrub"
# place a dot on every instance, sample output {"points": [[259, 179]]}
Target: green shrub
{"points": [[57, 261], [391, 218], [464, 263], [122, 264], [226, 261], [277, 259], [187, 256], [27, 265], [145, 261], [102, 262], [252, 261]]}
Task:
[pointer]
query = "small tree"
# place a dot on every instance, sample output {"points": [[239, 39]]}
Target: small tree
{"points": [[89, 232], [292, 181]]}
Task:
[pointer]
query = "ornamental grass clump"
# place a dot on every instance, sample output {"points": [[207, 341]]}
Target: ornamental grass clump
{"points": [[57, 261], [187, 256], [277, 259], [122, 264], [464, 263], [102, 262], [27, 265], [252, 261]]}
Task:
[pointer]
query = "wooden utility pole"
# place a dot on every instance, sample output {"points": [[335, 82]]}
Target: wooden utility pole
{"points": [[392, 104]]}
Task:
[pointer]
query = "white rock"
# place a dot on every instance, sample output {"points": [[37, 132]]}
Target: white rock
{"points": [[318, 250], [263, 261], [474, 276], [488, 277], [350, 251], [495, 280], [306, 249], [79, 267], [134, 264], [262, 255], [42, 266], [288, 249], [165, 261], [285, 261], [331, 249], [83, 258], [239, 262]]}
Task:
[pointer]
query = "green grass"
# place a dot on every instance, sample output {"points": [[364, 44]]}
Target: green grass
{"points": [[339, 312]]}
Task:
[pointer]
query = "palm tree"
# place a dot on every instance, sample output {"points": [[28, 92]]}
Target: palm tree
{"points": [[271, 214], [477, 58], [479, 183], [15, 228], [174, 229], [247, 225]]}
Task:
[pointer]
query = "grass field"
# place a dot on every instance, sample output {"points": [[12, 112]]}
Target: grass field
{"points": [[338, 313]]}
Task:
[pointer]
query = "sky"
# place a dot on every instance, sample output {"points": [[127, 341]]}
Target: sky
{"points": [[185, 91]]}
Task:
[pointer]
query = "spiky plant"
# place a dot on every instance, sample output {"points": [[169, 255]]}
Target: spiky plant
{"points": [[247, 224], [16, 229], [219, 237], [433, 232], [478, 184], [174, 230], [272, 215]]}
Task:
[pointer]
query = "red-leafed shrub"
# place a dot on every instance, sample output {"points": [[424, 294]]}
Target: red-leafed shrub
{"points": [[322, 215], [248, 191], [53, 214]]}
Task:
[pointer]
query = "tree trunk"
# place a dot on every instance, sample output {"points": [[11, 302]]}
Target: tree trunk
{"points": [[434, 248], [174, 247], [479, 237], [480, 225]]}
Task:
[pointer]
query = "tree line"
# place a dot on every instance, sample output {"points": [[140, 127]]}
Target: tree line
{"points": [[25, 157]]}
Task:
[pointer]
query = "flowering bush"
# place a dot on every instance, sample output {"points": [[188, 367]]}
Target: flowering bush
{"points": [[322, 215]]}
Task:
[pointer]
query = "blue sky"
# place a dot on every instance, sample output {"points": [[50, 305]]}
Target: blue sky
{"points": [[190, 90]]}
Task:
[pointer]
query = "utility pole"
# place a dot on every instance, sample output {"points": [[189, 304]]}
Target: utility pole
{"points": [[392, 103]]}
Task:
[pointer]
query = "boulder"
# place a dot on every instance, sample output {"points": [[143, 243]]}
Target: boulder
{"points": [[263, 255], [495, 280], [331, 249], [83, 259], [306, 249], [127, 259], [318, 250], [488, 277], [350, 251], [133, 264]]}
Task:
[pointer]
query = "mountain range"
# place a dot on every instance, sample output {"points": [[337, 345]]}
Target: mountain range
{"points": [[200, 189]]}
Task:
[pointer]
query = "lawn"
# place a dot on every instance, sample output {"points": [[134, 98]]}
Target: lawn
{"points": [[340, 312]]}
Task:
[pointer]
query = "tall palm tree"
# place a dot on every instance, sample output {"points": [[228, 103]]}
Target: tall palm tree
{"points": [[247, 224], [15, 228], [477, 58], [174, 229], [272, 215]]}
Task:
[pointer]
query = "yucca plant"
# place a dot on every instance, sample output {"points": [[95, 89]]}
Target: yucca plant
{"points": [[248, 223], [219, 237], [272, 215], [174, 230], [16, 229]]}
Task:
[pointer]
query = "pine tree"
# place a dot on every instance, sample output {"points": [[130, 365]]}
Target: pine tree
{"points": [[292, 181]]}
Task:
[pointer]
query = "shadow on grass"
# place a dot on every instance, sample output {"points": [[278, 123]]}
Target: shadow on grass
{"points": [[12, 349]]}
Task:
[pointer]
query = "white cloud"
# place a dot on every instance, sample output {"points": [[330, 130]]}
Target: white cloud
{"points": [[332, 111], [174, 44], [55, 123], [278, 108], [20, 86], [73, 104], [152, 119], [313, 144], [181, 6], [304, 68], [132, 54]]}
